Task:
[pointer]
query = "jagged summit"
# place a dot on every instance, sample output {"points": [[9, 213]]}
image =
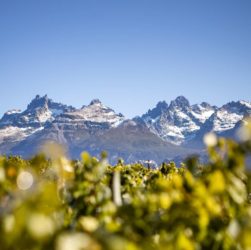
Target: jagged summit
{"points": [[47, 103], [39, 102], [205, 105], [95, 112], [179, 122], [95, 101], [180, 101], [161, 107], [95, 116], [240, 106], [40, 110]]}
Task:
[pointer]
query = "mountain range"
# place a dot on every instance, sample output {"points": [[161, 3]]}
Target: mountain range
{"points": [[165, 132]]}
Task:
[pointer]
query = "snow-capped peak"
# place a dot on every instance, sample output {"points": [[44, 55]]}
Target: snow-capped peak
{"points": [[226, 117], [239, 107], [172, 123], [39, 111], [181, 122], [224, 120]]}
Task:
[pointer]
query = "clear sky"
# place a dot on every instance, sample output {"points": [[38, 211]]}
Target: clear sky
{"points": [[130, 54]]}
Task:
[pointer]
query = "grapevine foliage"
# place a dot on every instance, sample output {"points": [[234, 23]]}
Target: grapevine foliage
{"points": [[88, 204]]}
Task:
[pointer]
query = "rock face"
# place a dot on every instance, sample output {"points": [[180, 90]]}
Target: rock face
{"points": [[163, 133]]}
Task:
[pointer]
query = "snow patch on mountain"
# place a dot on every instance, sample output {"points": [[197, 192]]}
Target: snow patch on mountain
{"points": [[202, 112], [56, 112], [13, 111], [44, 116], [225, 120], [229, 114], [247, 104], [15, 134]]}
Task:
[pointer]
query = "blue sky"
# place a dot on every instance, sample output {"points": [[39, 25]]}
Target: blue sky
{"points": [[130, 54]]}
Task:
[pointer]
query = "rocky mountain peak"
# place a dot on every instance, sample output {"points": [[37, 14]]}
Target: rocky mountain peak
{"points": [[95, 114], [180, 101], [239, 107], [95, 101], [205, 105], [162, 105], [40, 110], [160, 108], [39, 102]]}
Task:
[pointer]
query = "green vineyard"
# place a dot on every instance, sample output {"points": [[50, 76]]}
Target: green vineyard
{"points": [[49, 202]]}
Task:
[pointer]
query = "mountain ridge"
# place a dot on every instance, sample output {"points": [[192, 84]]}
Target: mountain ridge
{"points": [[166, 129]]}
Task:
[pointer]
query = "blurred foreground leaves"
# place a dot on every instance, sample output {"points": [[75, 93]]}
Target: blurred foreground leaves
{"points": [[75, 205]]}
